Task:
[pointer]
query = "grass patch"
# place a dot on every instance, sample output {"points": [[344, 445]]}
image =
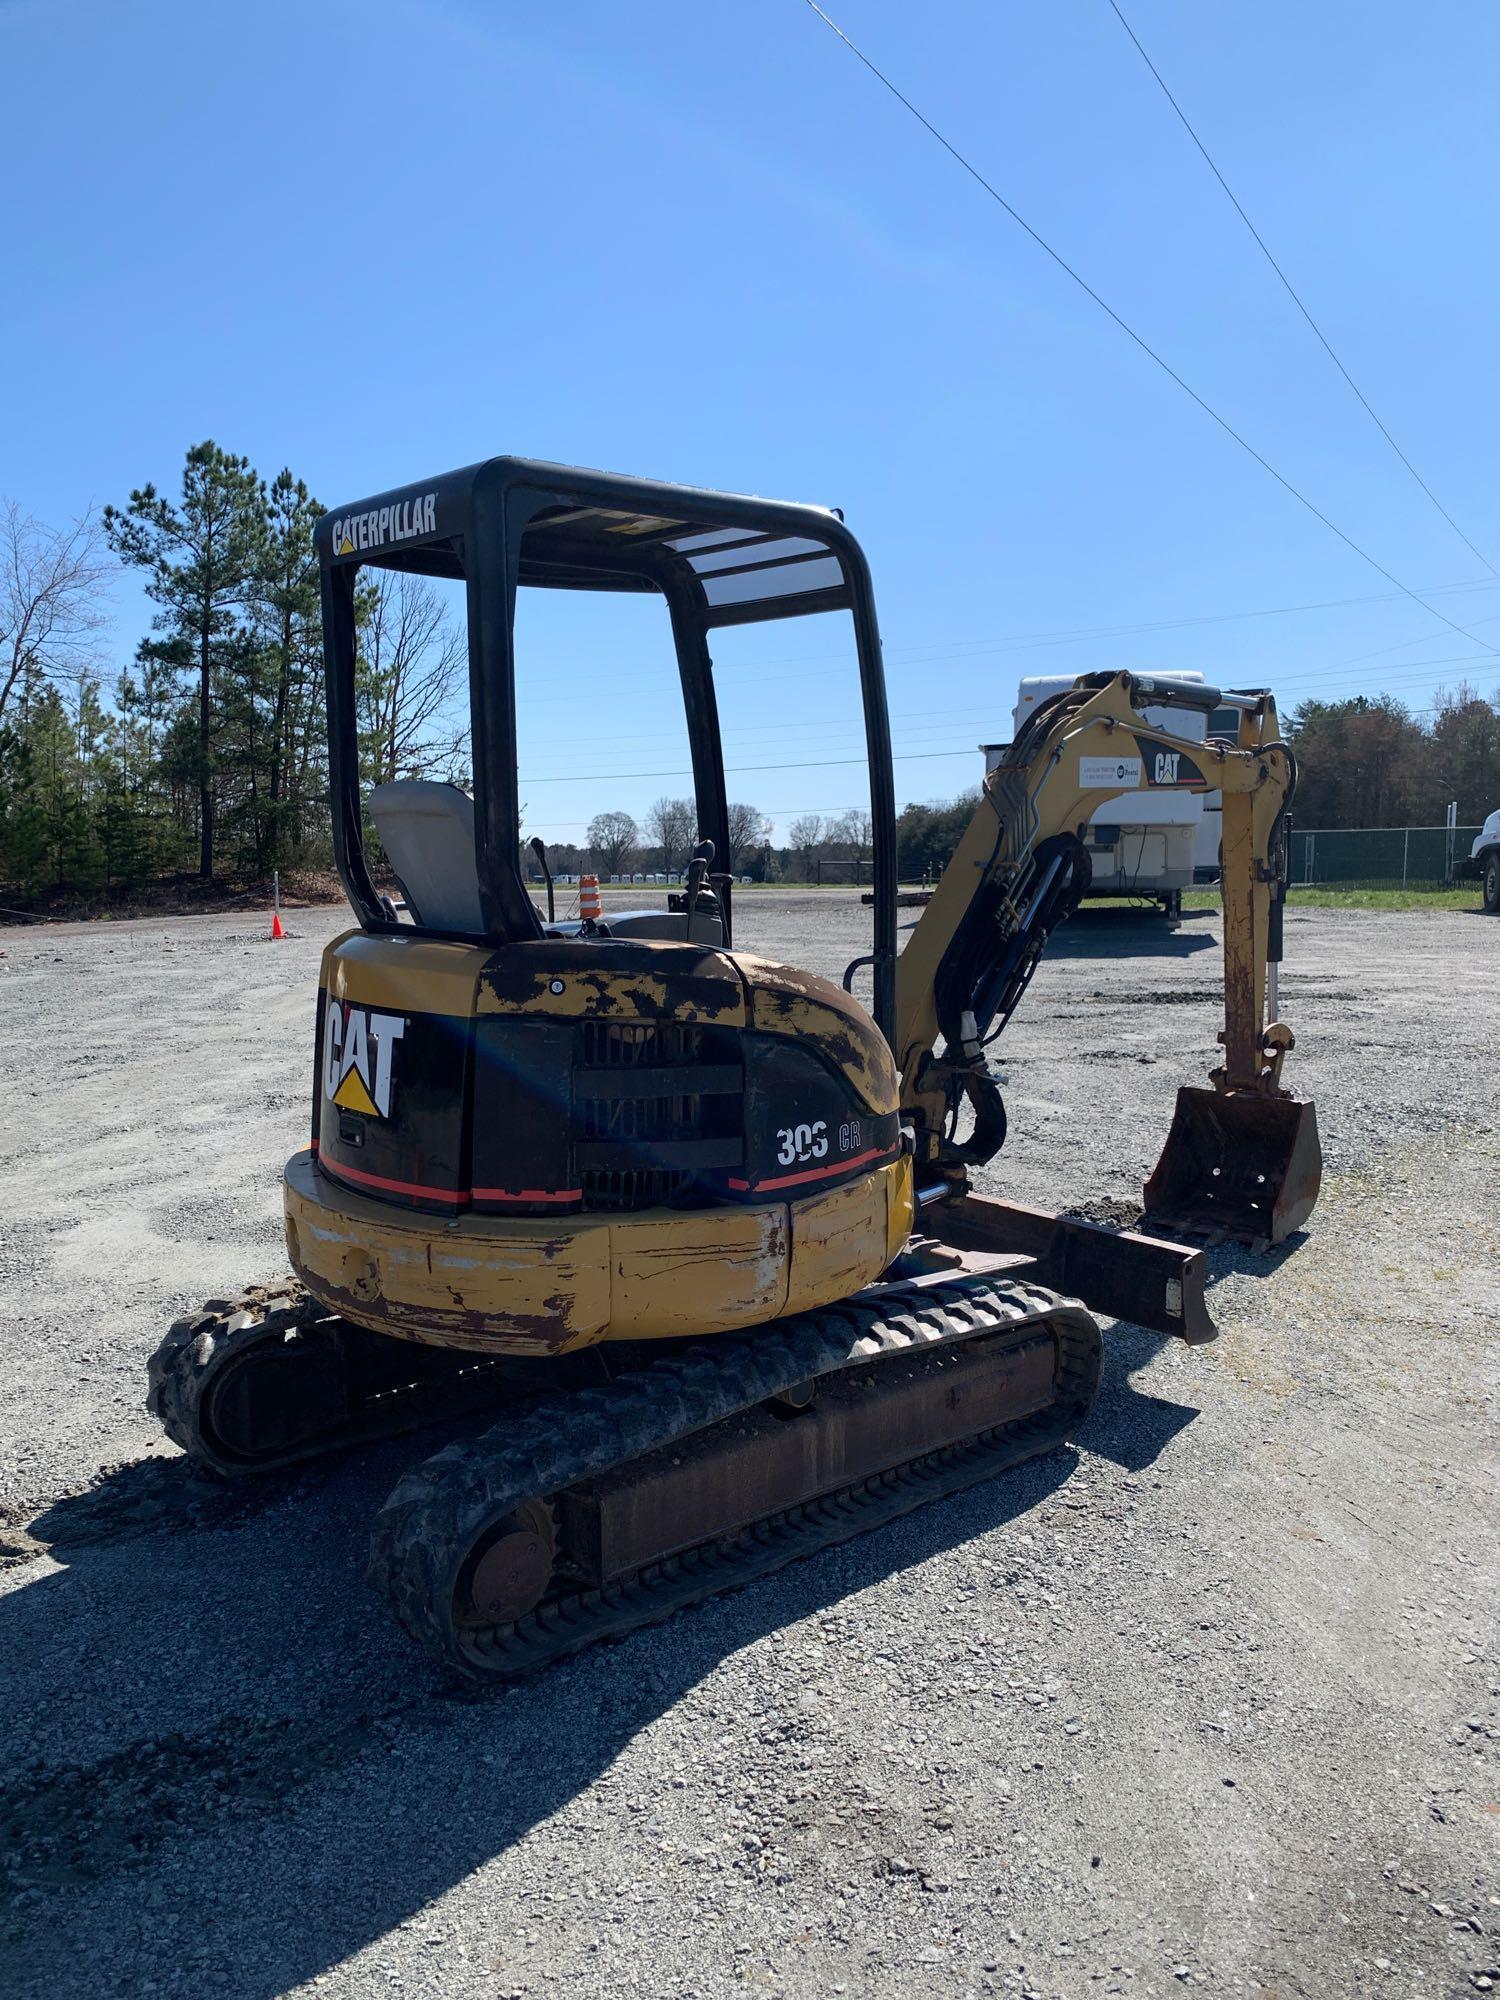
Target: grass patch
{"points": [[1463, 897]]}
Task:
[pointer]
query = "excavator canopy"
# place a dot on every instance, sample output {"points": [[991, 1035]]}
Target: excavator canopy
{"points": [[718, 559]]}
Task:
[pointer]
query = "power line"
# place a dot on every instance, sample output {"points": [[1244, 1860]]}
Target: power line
{"points": [[784, 813], [939, 651], [731, 770], [920, 722], [1292, 292], [1139, 339], [1322, 675]]}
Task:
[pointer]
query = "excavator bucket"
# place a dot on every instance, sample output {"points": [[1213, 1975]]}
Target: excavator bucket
{"points": [[1242, 1166]]}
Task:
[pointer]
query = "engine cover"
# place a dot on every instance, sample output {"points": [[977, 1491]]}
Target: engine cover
{"points": [[633, 1107]]}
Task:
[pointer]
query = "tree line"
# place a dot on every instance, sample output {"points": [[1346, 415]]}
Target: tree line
{"points": [[1370, 761], [616, 844], [206, 754]]}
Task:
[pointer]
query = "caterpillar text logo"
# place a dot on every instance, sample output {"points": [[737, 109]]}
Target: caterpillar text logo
{"points": [[1170, 770], [379, 525], [359, 1058]]}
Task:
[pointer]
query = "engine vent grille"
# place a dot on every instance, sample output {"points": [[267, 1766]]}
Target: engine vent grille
{"points": [[638, 1044], [638, 1125], [620, 1189]]}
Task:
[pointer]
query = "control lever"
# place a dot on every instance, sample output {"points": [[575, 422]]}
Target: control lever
{"points": [[697, 877], [539, 849]]}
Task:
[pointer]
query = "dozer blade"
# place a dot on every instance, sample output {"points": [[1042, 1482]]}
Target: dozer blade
{"points": [[1242, 1166]]}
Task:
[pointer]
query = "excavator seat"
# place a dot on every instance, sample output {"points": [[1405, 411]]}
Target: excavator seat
{"points": [[427, 830]]}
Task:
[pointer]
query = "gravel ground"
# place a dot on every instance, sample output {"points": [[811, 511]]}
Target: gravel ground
{"points": [[1211, 1700]]}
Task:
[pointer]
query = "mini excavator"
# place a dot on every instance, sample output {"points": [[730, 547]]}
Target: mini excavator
{"points": [[697, 1229]]}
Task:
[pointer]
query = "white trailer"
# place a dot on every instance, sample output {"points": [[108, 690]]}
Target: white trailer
{"points": [[1147, 844], [1208, 846]]}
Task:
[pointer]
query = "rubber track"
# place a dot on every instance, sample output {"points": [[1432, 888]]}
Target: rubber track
{"points": [[199, 1350], [421, 1535]]}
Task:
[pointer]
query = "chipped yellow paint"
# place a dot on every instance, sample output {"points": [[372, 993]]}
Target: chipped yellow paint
{"points": [[838, 1241], [901, 1204], [703, 1272], [543, 1285], [561, 979], [506, 1285], [787, 1001], [403, 973], [540, 1285]]}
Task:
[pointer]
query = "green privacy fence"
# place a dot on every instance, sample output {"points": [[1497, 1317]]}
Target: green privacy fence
{"points": [[1377, 857]]}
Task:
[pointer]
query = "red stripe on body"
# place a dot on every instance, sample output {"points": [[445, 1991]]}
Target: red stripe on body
{"points": [[816, 1173], [457, 1197], [528, 1194]]}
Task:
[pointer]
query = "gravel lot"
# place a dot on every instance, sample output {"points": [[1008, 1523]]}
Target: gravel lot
{"points": [[1210, 1701]]}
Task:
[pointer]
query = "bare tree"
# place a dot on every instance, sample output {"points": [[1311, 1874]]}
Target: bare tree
{"points": [[804, 836], [672, 824], [613, 837], [411, 662], [748, 828], [52, 583], [856, 830]]}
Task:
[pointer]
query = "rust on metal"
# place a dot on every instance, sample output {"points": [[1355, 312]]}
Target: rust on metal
{"points": [[1242, 1165], [508, 1569], [1120, 1272]]}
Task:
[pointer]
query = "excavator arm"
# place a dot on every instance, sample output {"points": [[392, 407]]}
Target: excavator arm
{"points": [[1021, 868]]}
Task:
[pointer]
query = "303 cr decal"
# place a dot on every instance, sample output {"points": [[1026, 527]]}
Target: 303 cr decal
{"points": [[797, 1144]]}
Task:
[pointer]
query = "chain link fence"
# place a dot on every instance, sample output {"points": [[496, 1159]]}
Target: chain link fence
{"points": [[1378, 857]]}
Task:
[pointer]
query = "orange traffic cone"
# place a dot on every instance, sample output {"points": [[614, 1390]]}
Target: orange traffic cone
{"points": [[590, 902], [276, 930]]}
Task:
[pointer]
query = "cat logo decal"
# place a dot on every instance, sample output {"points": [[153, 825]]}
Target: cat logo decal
{"points": [[359, 1058]]}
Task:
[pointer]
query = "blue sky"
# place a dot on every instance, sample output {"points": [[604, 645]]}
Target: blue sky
{"points": [[698, 241]]}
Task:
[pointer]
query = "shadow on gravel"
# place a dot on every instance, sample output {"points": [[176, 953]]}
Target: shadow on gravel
{"points": [[1226, 1260], [230, 1719], [1128, 934], [1128, 1428], [144, 1497]]}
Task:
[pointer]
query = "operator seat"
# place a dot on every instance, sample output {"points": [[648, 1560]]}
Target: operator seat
{"points": [[426, 827], [427, 830]]}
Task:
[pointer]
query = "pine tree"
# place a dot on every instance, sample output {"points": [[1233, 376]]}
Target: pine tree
{"points": [[198, 557], [285, 592]]}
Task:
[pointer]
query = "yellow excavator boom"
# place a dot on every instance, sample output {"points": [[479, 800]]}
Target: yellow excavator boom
{"points": [[1243, 1158]]}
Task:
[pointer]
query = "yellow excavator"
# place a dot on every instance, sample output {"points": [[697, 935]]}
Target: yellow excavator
{"points": [[695, 1227]]}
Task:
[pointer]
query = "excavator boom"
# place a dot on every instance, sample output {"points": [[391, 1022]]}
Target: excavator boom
{"points": [[1242, 1159]]}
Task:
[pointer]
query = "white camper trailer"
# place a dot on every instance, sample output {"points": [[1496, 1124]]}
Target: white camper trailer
{"points": [[1210, 837], [1143, 844]]}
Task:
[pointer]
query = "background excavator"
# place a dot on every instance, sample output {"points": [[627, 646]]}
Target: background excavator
{"points": [[698, 1227]]}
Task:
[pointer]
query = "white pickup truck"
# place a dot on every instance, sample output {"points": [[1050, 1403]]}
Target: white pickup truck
{"points": [[1483, 864]]}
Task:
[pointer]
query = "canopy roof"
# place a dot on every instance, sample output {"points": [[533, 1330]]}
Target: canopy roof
{"points": [[740, 558]]}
